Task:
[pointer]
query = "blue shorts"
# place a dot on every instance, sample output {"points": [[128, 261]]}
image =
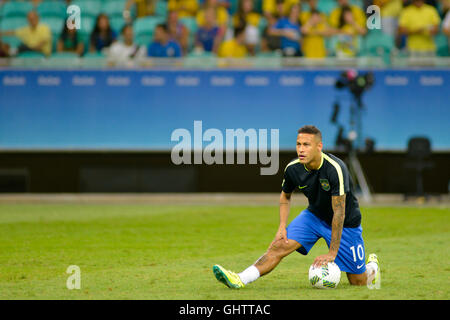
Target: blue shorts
{"points": [[306, 229]]}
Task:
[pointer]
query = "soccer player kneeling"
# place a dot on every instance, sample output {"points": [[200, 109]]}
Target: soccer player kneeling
{"points": [[333, 214]]}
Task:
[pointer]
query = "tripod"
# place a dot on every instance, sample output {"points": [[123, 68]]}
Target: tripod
{"points": [[353, 144]]}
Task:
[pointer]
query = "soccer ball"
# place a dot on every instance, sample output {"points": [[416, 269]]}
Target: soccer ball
{"points": [[326, 276]]}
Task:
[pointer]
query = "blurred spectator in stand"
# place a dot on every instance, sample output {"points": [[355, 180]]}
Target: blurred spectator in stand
{"points": [[221, 14], [275, 9], [223, 3], [288, 28], [4, 50], [143, 8], [185, 8], [349, 22], [445, 8], [163, 46], [446, 26], [390, 11], [315, 29], [357, 18], [235, 47], [419, 22], [125, 52], [246, 16], [103, 35], [69, 41], [178, 31], [210, 35], [35, 36], [272, 42]]}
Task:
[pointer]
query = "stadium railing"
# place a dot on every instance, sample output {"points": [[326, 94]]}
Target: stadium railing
{"points": [[101, 62]]}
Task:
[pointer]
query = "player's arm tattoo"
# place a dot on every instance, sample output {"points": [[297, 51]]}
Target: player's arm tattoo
{"points": [[337, 224]]}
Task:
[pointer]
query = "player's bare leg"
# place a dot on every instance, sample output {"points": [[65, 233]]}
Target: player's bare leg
{"points": [[266, 263], [274, 254]]}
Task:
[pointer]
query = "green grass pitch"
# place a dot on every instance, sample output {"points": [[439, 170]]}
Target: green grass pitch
{"points": [[167, 252]]}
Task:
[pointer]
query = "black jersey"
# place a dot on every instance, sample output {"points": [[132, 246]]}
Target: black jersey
{"points": [[331, 179]]}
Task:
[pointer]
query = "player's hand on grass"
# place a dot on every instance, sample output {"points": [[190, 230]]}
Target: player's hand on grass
{"points": [[324, 259]]}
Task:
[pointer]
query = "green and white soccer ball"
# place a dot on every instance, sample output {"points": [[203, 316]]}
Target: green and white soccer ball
{"points": [[325, 277]]}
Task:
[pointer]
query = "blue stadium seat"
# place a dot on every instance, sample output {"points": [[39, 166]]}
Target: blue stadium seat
{"points": [[161, 9], [51, 9], [30, 55], [88, 8], [15, 9], [326, 6], [12, 23], [55, 23], [442, 46], [113, 8], [117, 23], [234, 6], [377, 44], [144, 28]]}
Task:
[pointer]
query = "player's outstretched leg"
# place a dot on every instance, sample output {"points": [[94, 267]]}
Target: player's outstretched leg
{"points": [[266, 263]]}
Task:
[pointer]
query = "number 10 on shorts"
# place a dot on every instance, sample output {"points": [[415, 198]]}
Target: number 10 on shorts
{"points": [[359, 251]]}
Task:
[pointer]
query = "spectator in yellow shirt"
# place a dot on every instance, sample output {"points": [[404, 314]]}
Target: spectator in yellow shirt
{"points": [[315, 29], [347, 31], [246, 16], [143, 8], [390, 11], [419, 22], [222, 15], [271, 10], [356, 20], [235, 47], [35, 37], [185, 8]]}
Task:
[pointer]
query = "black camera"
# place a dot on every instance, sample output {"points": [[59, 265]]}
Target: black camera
{"points": [[355, 82]]}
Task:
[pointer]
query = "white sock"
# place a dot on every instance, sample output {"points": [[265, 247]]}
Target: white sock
{"points": [[249, 275]]}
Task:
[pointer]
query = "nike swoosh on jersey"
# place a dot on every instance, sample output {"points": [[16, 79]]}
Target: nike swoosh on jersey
{"points": [[302, 187]]}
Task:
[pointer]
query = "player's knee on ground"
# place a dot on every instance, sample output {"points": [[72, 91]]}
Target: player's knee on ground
{"points": [[357, 279]]}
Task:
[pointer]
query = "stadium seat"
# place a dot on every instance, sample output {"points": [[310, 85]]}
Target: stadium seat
{"points": [[55, 23], [88, 8], [15, 9], [144, 28], [234, 6], [30, 55], [262, 25], [113, 9], [191, 24], [326, 6], [204, 60], [51, 9], [377, 44], [117, 23], [94, 60], [442, 46], [12, 23], [62, 60], [161, 9]]}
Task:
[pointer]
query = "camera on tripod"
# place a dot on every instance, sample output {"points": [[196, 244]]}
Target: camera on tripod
{"points": [[356, 83]]}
